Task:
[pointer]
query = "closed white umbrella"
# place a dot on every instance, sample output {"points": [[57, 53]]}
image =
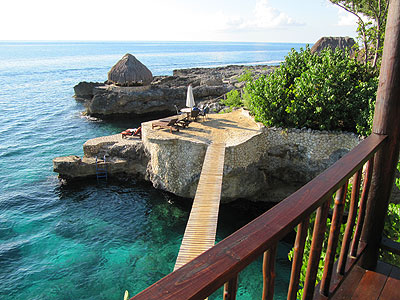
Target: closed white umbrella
{"points": [[189, 97]]}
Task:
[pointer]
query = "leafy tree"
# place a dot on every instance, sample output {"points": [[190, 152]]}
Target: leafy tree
{"points": [[329, 91], [371, 32]]}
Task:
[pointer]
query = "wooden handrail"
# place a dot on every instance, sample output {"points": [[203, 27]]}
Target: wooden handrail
{"points": [[205, 274]]}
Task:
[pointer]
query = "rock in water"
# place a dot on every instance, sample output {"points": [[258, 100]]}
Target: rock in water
{"points": [[333, 43], [85, 90], [130, 72]]}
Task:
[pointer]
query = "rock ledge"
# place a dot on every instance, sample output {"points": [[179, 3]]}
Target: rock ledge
{"points": [[261, 164]]}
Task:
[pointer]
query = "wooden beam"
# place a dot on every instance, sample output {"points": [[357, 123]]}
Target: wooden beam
{"points": [[387, 122]]}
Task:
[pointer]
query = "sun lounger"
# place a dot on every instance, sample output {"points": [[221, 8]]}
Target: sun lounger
{"points": [[166, 124], [132, 132], [183, 122]]}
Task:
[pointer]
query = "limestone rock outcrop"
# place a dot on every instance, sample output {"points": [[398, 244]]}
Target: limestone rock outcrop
{"points": [[164, 92], [113, 100], [85, 90], [267, 166], [261, 164], [123, 156]]}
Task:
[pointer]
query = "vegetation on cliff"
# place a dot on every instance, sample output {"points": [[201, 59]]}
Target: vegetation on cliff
{"points": [[329, 91], [371, 21]]}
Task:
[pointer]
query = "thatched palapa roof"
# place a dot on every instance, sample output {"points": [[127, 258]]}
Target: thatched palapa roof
{"points": [[130, 72], [333, 43]]}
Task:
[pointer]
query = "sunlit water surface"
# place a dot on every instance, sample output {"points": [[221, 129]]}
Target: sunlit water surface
{"points": [[90, 240]]}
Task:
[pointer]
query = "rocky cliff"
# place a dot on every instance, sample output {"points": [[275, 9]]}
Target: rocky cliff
{"points": [[164, 92], [123, 157], [261, 164]]}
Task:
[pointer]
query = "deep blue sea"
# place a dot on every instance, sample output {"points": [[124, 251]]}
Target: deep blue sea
{"points": [[90, 240]]}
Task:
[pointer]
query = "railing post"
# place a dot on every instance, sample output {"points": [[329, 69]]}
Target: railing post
{"points": [[298, 253], [362, 208], [344, 251], [386, 121], [230, 289], [333, 239], [269, 273], [316, 248]]}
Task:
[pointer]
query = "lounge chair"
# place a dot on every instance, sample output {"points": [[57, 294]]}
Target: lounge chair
{"points": [[183, 122], [166, 123], [132, 132]]}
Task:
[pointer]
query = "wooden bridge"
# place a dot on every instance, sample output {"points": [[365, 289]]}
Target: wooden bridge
{"points": [[202, 224]]}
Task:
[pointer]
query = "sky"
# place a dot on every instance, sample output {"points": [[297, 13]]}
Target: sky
{"points": [[303, 21]]}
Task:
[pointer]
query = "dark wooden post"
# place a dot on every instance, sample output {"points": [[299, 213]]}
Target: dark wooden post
{"points": [[386, 121]]}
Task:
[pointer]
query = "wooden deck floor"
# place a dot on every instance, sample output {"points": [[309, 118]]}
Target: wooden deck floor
{"points": [[382, 284], [202, 224]]}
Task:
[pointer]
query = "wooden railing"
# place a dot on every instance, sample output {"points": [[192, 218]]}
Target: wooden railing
{"points": [[221, 264]]}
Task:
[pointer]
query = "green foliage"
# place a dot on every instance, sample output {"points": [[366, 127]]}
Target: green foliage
{"points": [[247, 76], [372, 16], [246, 98], [226, 110], [233, 99], [398, 179], [392, 231], [329, 91], [392, 227]]}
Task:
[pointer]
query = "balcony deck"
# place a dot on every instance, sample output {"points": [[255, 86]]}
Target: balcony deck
{"points": [[382, 284]]}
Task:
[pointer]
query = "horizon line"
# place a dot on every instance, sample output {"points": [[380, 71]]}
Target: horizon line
{"points": [[144, 41]]}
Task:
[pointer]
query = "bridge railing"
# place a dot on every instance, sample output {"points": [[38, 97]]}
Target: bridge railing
{"points": [[221, 264]]}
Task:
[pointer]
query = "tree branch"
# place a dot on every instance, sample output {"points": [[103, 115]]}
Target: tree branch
{"points": [[348, 10]]}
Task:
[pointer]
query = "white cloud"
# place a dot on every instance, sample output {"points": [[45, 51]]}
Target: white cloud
{"points": [[265, 17], [346, 18], [269, 17], [206, 20]]}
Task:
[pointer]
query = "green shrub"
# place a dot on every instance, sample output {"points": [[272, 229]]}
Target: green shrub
{"points": [[329, 91], [233, 99], [246, 76]]}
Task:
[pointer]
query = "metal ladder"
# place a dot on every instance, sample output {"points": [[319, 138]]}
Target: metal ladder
{"points": [[101, 168]]}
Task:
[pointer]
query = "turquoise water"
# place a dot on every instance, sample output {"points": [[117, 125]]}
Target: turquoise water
{"points": [[89, 240]]}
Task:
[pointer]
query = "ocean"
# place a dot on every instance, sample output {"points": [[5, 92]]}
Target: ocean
{"points": [[95, 240]]}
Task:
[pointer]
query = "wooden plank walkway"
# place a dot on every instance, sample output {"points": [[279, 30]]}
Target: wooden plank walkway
{"points": [[202, 224]]}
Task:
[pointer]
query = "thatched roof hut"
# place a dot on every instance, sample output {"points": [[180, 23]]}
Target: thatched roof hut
{"points": [[130, 72], [333, 43]]}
